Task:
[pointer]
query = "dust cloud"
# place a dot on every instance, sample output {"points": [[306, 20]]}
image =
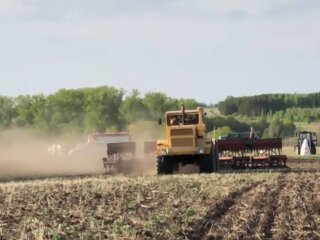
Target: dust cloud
{"points": [[141, 132], [27, 153], [23, 152]]}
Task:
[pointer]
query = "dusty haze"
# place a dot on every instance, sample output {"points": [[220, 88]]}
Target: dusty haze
{"points": [[24, 152]]}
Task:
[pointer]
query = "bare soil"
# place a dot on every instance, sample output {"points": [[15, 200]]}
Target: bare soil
{"points": [[259, 204]]}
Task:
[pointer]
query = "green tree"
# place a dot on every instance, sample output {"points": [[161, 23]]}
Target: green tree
{"points": [[7, 111], [275, 127], [102, 109], [133, 108], [157, 103], [221, 131], [25, 114], [41, 112], [288, 129], [66, 109], [189, 103]]}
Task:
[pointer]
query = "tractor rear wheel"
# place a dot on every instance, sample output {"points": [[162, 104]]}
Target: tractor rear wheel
{"points": [[297, 149], [313, 149], [164, 165]]}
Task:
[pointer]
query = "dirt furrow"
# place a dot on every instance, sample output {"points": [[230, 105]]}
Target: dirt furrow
{"points": [[239, 221], [262, 223], [263, 226], [272, 205], [294, 220], [307, 194], [283, 226], [216, 213], [302, 230]]}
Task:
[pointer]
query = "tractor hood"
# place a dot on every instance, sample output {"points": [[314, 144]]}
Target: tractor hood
{"points": [[182, 136]]}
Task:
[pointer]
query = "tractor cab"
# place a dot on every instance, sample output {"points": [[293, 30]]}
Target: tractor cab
{"points": [[310, 137]]}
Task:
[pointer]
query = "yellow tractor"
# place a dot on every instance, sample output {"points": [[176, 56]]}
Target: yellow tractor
{"points": [[186, 143]]}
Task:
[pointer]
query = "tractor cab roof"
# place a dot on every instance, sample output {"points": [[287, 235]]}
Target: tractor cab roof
{"points": [[193, 111]]}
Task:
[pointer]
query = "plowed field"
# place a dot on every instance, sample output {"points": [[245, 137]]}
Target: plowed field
{"points": [[242, 205]]}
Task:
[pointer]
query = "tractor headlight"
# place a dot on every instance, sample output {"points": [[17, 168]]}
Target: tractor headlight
{"points": [[164, 151], [201, 151]]}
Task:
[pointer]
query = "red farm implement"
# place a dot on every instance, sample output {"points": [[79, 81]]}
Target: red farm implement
{"points": [[251, 153], [232, 153], [268, 153], [119, 156]]}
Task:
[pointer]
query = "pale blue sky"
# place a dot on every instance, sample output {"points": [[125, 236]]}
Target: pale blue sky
{"points": [[202, 49]]}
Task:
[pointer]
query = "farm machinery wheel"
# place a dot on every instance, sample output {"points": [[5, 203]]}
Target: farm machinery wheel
{"points": [[164, 165], [297, 149], [209, 163], [313, 149]]}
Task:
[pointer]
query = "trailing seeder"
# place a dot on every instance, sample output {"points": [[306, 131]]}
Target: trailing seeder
{"points": [[232, 153], [115, 149], [245, 153], [119, 156]]}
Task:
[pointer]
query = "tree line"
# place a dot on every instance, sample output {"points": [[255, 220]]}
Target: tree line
{"points": [[86, 110], [107, 108], [273, 126], [267, 103]]}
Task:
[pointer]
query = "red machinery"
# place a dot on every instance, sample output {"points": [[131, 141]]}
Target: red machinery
{"points": [[119, 156], [251, 153]]}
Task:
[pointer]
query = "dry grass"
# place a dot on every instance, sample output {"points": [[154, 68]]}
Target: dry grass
{"points": [[289, 151]]}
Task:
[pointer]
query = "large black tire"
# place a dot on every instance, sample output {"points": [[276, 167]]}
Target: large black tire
{"points": [[209, 163], [206, 165], [164, 165], [297, 149], [215, 158], [313, 149]]}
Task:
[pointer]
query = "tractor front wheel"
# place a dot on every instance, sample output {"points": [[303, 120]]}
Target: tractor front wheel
{"points": [[164, 165], [209, 163]]}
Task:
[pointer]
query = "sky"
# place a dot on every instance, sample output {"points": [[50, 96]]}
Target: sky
{"points": [[201, 49]]}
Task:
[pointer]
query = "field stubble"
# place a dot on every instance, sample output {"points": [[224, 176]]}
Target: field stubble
{"points": [[256, 205]]}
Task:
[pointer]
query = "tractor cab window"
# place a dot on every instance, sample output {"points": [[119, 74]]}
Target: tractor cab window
{"points": [[174, 120], [178, 119], [305, 135], [191, 119]]}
